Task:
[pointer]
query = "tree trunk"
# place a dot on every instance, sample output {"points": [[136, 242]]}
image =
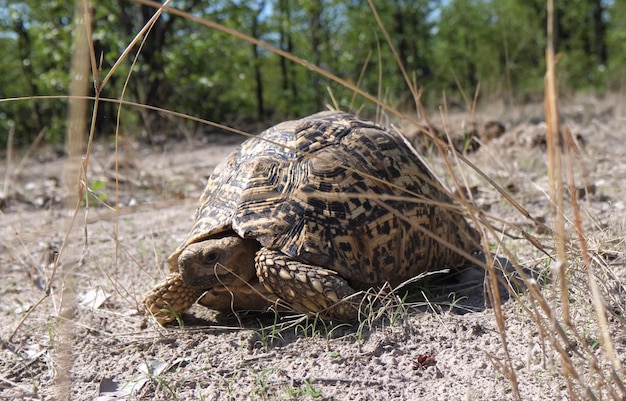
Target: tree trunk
{"points": [[315, 22], [25, 48], [599, 27], [258, 76], [288, 79], [400, 31]]}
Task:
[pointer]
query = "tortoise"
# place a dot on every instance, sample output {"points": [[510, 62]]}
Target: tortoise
{"points": [[310, 213]]}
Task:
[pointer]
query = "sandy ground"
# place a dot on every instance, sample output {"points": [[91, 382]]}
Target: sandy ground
{"points": [[443, 344]]}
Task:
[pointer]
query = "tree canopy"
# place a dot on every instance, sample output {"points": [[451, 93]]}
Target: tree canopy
{"points": [[445, 46]]}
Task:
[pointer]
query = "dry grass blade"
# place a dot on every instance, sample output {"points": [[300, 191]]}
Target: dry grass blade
{"points": [[553, 139], [30, 150], [360, 79], [7, 175], [598, 301], [77, 113], [494, 296]]}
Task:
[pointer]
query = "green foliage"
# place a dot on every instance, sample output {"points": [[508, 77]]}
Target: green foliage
{"points": [[446, 46], [616, 45], [468, 47], [36, 42]]}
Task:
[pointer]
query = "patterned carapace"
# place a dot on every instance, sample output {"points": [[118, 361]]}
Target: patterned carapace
{"points": [[336, 193]]}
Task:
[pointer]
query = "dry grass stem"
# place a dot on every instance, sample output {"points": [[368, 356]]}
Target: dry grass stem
{"points": [[9, 163], [77, 113], [597, 298], [553, 138]]}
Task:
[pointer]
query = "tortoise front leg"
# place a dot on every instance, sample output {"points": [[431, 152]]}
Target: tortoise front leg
{"points": [[170, 298], [307, 288]]}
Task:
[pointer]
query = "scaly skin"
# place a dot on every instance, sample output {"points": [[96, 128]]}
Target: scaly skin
{"points": [[170, 298]]}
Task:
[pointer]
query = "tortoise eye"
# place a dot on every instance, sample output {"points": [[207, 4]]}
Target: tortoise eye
{"points": [[211, 258]]}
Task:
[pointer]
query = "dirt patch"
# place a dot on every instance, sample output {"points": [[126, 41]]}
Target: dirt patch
{"points": [[445, 345]]}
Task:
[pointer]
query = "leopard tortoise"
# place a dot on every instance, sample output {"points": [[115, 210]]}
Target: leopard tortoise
{"points": [[309, 213]]}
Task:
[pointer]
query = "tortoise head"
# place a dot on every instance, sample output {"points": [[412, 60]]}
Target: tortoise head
{"points": [[223, 260]]}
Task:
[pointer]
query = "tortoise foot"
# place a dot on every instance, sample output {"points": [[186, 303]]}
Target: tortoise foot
{"points": [[170, 298]]}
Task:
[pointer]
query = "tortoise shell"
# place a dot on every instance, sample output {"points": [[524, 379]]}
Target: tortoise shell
{"points": [[335, 191]]}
